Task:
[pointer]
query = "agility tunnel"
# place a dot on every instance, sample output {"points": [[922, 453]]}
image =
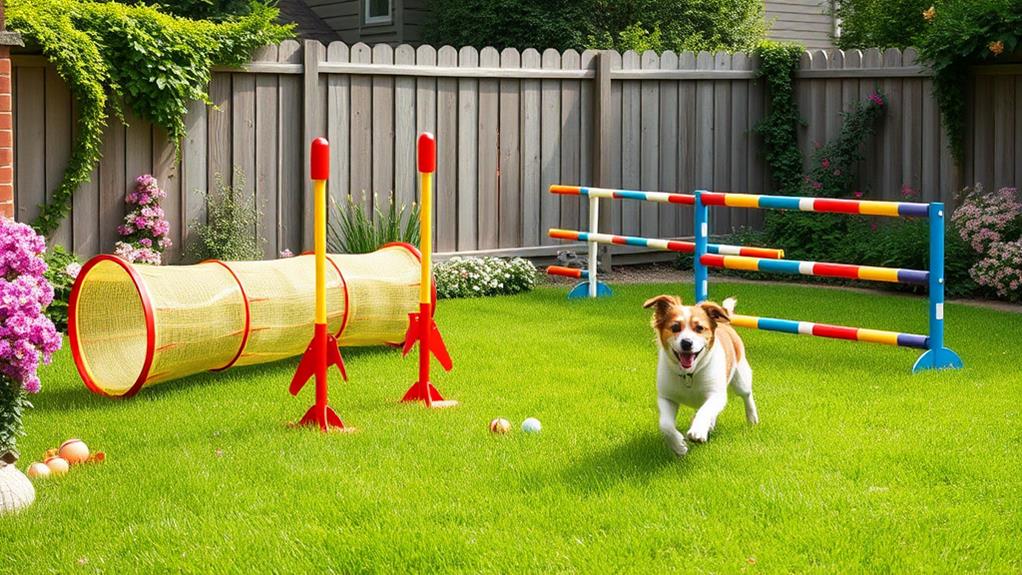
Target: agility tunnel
{"points": [[133, 326]]}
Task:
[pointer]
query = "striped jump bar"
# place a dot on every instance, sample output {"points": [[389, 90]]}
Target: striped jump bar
{"points": [[831, 331], [663, 245], [869, 273], [567, 272], [663, 197], [828, 205]]}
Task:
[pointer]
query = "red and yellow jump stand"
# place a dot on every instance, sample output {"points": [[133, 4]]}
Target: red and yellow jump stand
{"points": [[323, 351], [421, 326]]}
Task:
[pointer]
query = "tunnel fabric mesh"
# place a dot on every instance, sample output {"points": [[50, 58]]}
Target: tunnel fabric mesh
{"points": [[199, 312], [111, 328], [379, 303], [282, 302]]}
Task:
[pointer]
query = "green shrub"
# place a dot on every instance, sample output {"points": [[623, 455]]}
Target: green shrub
{"points": [[207, 9], [477, 277], [62, 268], [229, 232], [613, 24], [956, 35], [879, 23], [111, 54], [352, 231]]}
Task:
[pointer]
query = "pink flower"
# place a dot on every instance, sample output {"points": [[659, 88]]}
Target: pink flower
{"points": [[825, 163], [286, 253], [73, 269], [857, 194], [817, 186]]}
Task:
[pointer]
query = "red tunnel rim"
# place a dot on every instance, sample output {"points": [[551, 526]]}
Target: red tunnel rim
{"points": [[418, 255], [347, 301], [72, 325], [248, 314]]}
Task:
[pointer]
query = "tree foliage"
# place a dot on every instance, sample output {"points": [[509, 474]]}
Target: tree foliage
{"points": [[618, 24]]}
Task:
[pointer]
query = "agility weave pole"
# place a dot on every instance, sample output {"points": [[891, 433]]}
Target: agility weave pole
{"points": [[936, 356], [421, 326], [593, 288], [323, 350]]}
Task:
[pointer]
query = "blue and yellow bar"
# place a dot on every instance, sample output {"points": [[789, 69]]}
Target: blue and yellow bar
{"points": [[614, 194], [822, 205], [820, 269], [831, 331], [663, 245]]}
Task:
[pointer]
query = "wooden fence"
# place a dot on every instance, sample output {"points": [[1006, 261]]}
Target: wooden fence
{"points": [[508, 124]]}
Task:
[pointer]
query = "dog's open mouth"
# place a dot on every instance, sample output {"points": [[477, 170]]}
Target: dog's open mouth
{"points": [[686, 358]]}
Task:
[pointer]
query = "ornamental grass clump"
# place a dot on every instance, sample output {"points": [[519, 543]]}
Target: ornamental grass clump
{"points": [[144, 231], [27, 336], [478, 277]]}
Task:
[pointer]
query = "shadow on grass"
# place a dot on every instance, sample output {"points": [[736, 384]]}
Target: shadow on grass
{"points": [[79, 398], [639, 459]]}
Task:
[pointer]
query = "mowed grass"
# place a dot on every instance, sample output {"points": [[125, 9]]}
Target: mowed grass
{"points": [[857, 465]]}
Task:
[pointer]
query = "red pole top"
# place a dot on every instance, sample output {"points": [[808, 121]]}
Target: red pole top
{"points": [[427, 152], [320, 164]]}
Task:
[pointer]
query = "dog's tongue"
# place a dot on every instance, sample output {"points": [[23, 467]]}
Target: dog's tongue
{"points": [[686, 359]]}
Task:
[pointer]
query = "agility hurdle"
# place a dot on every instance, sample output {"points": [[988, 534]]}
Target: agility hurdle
{"points": [[591, 287], [936, 356]]}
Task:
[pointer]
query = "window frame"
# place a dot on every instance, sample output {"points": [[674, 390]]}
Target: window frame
{"points": [[371, 20]]}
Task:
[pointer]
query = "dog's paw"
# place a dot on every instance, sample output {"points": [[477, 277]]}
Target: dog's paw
{"points": [[752, 417], [698, 434], [677, 444]]}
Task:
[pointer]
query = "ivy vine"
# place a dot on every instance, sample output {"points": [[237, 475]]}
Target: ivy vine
{"points": [[958, 34], [779, 128], [112, 55]]}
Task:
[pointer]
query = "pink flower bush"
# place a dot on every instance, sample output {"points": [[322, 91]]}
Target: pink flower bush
{"points": [[26, 334], [1001, 269], [144, 231], [982, 218], [991, 225]]}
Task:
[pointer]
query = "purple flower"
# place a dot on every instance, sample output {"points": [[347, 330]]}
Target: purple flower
{"points": [[26, 334], [144, 229]]}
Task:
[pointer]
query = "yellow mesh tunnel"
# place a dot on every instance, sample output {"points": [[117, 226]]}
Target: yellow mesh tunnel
{"points": [[133, 326]]}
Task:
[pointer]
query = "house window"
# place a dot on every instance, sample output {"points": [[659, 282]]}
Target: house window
{"points": [[377, 11]]}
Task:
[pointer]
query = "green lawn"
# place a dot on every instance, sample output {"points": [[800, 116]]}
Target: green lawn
{"points": [[856, 466]]}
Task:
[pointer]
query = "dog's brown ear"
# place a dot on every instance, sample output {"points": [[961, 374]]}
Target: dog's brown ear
{"points": [[661, 304], [717, 313]]}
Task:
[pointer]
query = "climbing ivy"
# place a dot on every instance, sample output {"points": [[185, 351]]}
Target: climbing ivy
{"points": [[957, 35], [779, 128], [112, 55]]}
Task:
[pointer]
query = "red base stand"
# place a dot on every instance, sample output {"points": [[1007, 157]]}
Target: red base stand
{"points": [[320, 355], [422, 329]]}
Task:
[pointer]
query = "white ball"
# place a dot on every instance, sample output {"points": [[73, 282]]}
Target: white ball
{"points": [[531, 425]]}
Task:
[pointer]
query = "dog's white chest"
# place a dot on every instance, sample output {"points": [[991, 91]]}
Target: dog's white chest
{"points": [[691, 390]]}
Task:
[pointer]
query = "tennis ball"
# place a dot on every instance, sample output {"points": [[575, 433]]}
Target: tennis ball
{"points": [[531, 425], [74, 451], [500, 426]]}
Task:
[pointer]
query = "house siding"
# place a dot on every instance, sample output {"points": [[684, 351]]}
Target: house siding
{"points": [[807, 22], [345, 18]]}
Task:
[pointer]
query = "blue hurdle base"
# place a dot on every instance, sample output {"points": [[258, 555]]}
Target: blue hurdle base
{"points": [[581, 290], [942, 358]]}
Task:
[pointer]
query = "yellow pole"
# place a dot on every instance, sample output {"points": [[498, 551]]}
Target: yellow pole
{"points": [[319, 241], [426, 235]]}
